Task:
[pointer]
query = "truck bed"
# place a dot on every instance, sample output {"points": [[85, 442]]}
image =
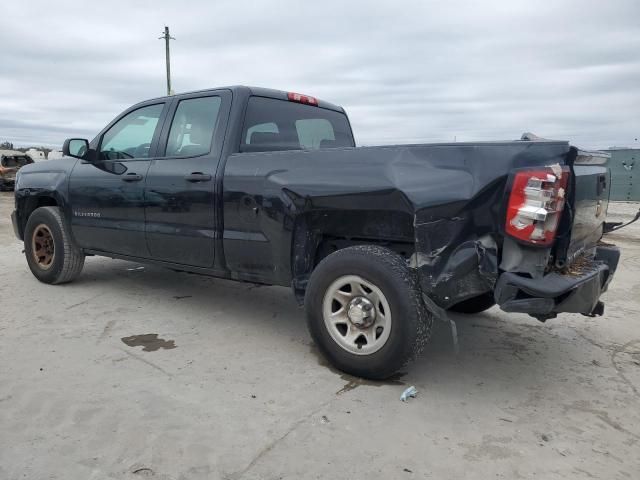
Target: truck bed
{"points": [[446, 201]]}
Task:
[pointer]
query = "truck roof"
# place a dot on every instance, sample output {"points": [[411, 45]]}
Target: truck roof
{"points": [[257, 91]]}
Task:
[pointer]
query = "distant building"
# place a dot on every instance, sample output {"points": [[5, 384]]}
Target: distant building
{"points": [[625, 174], [55, 154]]}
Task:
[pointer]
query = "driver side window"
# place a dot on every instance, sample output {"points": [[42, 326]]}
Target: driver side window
{"points": [[131, 136]]}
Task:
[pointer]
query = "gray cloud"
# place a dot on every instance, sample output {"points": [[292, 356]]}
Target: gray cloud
{"points": [[405, 71]]}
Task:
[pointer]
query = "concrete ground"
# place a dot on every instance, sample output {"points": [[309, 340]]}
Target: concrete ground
{"points": [[233, 388]]}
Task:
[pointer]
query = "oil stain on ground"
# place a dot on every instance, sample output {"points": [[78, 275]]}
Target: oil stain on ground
{"points": [[149, 341], [351, 381]]}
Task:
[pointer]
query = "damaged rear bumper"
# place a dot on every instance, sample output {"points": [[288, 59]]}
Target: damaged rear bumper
{"points": [[554, 293]]}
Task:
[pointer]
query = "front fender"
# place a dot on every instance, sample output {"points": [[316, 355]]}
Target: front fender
{"points": [[36, 187]]}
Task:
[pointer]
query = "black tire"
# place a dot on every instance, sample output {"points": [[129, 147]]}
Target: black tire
{"points": [[411, 322], [67, 259], [475, 305]]}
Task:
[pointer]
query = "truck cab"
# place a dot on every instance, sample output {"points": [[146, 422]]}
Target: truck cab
{"points": [[152, 188]]}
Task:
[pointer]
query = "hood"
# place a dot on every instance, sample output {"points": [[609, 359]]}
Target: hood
{"points": [[44, 175], [56, 165]]}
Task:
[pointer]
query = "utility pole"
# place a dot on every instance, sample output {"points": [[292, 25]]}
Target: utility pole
{"points": [[166, 38]]}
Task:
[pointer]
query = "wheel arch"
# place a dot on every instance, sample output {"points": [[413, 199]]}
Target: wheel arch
{"points": [[27, 203], [317, 234]]}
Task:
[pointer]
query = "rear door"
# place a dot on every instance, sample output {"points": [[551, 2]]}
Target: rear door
{"points": [[180, 193]]}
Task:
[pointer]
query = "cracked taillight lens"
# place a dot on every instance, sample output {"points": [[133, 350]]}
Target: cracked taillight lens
{"points": [[536, 203]]}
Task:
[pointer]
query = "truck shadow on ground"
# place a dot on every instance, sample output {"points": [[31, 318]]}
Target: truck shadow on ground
{"points": [[495, 347]]}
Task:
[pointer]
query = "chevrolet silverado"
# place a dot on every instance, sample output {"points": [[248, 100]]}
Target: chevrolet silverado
{"points": [[267, 186]]}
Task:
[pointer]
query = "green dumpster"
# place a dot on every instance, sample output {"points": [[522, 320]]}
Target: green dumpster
{"points": [[625, 174]]}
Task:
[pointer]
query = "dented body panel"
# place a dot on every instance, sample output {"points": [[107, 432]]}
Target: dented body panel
{"points": [[444, 200], [275, 214]]}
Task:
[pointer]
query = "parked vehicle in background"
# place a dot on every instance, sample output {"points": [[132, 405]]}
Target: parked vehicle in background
{"points": [[53, 154], [267, 186], [10, 162], [36, 155]]}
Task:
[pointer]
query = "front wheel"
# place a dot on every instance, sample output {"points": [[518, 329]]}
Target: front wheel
{"points": [[51, 254], [364, 311]]}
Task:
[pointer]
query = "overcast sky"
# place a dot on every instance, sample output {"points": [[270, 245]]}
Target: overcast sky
{"points": [[405, 71]]}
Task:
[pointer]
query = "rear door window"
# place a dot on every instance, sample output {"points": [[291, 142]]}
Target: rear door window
{"points": [[272, 124], [192, 127]]}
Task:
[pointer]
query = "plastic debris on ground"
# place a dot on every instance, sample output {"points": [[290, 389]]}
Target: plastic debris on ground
{"points": [[409, 393]]}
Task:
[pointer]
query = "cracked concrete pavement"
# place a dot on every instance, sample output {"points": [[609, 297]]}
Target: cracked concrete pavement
{"points": [[219, 380]]}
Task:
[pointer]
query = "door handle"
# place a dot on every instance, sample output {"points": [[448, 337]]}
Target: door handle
{"points": [[197, 177], [132, 177]]}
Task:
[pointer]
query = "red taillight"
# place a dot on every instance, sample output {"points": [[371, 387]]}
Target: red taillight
{"points": [[306, 99], [536, 203]]}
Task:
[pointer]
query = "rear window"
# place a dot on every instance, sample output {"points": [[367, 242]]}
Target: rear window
{"points": [[272, 124]]}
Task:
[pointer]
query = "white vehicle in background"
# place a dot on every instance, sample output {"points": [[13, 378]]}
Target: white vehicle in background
{"points": [[36, 155], [53, 154]]}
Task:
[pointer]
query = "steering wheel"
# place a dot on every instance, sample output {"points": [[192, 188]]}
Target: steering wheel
{"points": [[142, 151]]}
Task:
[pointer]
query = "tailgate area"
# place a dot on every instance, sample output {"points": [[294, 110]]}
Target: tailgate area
{"points": [[586, 211], [576, 289], [571, 275]]}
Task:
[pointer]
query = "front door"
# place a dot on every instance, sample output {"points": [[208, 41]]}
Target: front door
{"points": [[107, 195], [180, 192]]}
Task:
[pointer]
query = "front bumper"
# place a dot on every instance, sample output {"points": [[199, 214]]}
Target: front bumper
{"points": [[545, 297]]}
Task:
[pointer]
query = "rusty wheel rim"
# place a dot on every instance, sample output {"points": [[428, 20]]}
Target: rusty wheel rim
{"points": [[43, 247]]}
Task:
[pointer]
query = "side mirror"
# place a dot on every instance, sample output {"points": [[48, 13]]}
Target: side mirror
{"points": [[75, 147]]}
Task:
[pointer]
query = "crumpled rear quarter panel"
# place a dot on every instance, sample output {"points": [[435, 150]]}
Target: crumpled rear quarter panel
{"points": [[448, 197]]}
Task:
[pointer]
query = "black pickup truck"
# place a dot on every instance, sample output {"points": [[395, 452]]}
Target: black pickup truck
{"points": [[267, 186]]}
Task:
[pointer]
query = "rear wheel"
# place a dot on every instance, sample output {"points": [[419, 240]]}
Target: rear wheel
{"points": [[475, 305], [51, 255], [364, 311]]}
